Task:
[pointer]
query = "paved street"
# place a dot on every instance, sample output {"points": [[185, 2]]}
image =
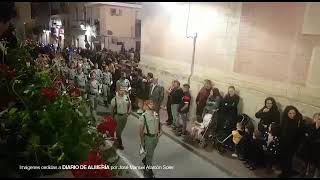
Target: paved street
{"points": [[183, 162]]}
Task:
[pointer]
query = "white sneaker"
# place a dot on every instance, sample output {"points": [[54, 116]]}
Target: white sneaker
{"points": [[234, 155]]}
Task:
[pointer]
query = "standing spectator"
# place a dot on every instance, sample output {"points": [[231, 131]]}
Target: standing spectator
{"points": [[134, 85], [201, 99], [213, 102], [291, 132], [156, 94], [116, 75], [142, 91], [254, 154], [268, 114], [176, 98], [184, 109], [169, 90], [228, 113], [311, 148], [229, 110]]}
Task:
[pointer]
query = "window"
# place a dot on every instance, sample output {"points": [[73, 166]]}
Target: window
{"points": [[116, 12]]}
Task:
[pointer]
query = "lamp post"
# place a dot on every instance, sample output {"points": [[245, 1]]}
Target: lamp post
{"points": [[24, 30]]}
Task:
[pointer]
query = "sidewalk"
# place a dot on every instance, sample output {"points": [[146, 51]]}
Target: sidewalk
{"points": [[225, 162]]}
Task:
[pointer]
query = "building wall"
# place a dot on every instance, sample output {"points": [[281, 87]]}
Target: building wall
{"points": [[23, 16], [123, 29], [257, 47]]}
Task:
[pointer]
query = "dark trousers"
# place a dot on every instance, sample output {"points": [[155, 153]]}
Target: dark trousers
{"points": [[169, 111], [255, 153], [286, 157]]}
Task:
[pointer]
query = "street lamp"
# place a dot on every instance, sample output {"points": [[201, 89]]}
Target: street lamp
{"points": [[82, 26]]}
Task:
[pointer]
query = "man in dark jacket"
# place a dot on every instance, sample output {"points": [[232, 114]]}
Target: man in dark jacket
{"points": [[176, 99]]}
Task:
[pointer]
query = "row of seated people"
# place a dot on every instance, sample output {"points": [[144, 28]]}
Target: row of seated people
{"points": [[276, 141]]}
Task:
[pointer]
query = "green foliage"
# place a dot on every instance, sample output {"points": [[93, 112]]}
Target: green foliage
{"points": [[56, 130]]}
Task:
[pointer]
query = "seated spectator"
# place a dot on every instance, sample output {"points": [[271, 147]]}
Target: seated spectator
{"points": [[271, 146], [290, 136], [243, 147], [201, 99], [254, 155], [236, 138], [268, 114]]}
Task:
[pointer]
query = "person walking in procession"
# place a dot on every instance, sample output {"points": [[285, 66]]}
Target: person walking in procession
{"points": [[106, 84], [150, 131], [120, 108], [94, 87], [81, 81]]}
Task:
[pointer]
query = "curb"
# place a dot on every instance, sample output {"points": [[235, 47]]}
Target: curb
{"points": [[191, 149]]}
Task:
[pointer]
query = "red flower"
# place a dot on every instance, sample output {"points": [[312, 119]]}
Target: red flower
{"points": [[75, 92], [94, 158], [108, 125], [49, 92]]}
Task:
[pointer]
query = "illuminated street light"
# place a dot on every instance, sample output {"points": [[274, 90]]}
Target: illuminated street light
{"points": [[82, 27]]}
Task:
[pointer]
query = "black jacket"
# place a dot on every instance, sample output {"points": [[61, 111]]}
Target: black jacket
{"points": [[142, 89], [176, 96], [310, 143], [291, 133], [230, 104], [266, 118]]}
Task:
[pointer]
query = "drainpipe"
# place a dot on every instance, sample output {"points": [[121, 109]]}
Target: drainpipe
{"points": [[193, 55], [194, 37]]}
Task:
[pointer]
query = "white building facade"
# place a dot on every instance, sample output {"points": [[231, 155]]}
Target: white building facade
{"points": [[106, 25]]}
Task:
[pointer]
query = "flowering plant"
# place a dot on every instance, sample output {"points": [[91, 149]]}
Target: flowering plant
{"points": [[94, 158], [44, 124], [108, 126]]}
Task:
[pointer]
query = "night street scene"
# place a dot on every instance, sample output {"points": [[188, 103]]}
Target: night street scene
{"points": [[159, 89]]}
